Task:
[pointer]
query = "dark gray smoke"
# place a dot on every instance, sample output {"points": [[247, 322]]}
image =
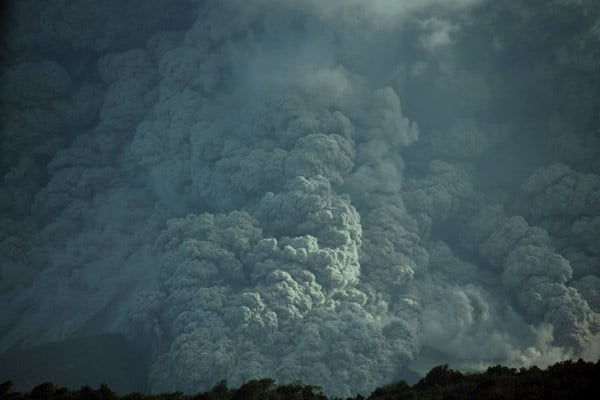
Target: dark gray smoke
{"points": [[339, 192]]}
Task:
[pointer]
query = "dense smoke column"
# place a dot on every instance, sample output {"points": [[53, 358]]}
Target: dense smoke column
{"points": [[548, 245], [329, 192], [291, 301], [69, 210]]}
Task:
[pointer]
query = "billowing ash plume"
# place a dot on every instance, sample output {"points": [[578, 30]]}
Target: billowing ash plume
{"points": [[336, 192]]}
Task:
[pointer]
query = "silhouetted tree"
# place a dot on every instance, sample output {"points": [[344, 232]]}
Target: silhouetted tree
{"points": [[500, 370], [396, 391], [441, 375], [254, 389], [44, 391], [106, 393], [220, 391], [5, 388]]}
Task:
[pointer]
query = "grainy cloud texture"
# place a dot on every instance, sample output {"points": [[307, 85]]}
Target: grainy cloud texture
{"points": [[343, 193]]}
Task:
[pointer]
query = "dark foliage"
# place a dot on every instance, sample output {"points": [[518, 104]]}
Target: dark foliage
{"points": [[572, 380]]}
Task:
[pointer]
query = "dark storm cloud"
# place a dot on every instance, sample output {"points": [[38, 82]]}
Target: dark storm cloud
{"points": [[335, 192]]}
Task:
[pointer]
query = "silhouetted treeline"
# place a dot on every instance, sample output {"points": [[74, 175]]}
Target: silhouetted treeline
{"points": [[565, 380]]}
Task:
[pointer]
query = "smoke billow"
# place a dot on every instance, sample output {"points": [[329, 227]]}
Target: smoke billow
{"points": [[342, 192]]}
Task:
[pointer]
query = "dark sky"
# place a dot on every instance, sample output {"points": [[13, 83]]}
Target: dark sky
{"points": [[342, 193]]}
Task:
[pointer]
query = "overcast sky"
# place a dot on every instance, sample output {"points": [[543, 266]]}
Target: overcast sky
{"points": [[343, 193]]}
